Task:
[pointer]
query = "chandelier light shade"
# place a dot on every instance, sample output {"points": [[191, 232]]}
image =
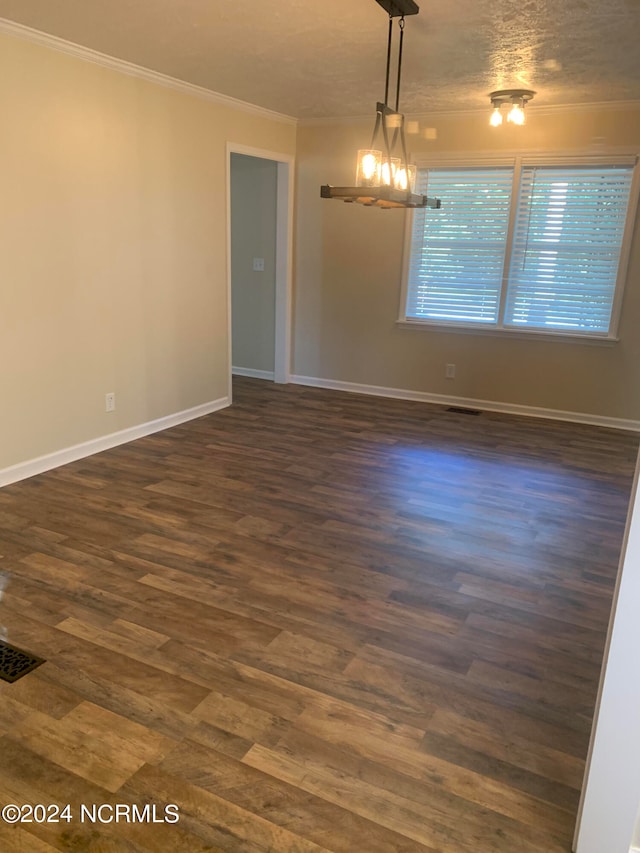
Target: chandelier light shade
{"points": [[384, 177], [516, 98], [369, 168]]}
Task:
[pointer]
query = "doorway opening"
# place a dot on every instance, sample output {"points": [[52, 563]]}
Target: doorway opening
{"points": [[259, 265]]}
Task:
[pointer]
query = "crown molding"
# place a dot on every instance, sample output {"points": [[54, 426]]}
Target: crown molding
{"points": [[593, 106], [474, 112], [11, 28]]}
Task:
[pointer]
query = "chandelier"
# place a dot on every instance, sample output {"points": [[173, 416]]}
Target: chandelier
{"points": [[384, 177]]}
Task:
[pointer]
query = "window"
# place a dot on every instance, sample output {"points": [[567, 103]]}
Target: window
{"points": [[521, 247]]}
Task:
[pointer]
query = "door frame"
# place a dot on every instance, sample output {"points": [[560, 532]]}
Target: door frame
{"points": [[284, 256], [610, 797]]}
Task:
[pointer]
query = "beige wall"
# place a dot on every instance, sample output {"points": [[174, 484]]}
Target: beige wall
{"points": [[348, 274], [253, 235], [113, 241]]}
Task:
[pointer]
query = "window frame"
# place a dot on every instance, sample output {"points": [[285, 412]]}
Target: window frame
{"points": [[619, 158]]}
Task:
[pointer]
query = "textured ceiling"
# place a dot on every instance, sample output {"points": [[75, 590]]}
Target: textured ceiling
{"points": [[326, 58]]}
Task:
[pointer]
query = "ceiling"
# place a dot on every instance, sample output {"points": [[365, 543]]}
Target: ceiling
{"points": [[327, 58]]}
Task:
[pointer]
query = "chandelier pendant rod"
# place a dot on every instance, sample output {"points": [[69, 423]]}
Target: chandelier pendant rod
{"points": [[386, 81], [401, 25]]}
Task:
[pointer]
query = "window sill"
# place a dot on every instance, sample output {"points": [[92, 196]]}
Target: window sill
{"points": [[518, 334]]}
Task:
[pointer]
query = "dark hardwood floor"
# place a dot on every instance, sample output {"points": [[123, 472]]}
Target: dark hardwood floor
{"points": [[314, 622]]}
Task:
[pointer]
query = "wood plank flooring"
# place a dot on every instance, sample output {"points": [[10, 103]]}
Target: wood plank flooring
{"points": [[313, 622]]}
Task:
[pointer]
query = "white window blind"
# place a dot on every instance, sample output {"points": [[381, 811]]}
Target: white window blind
{"points": [[457, 253], [552, 264], [566, 247]]}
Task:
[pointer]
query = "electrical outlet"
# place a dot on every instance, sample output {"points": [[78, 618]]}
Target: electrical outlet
{"points": [[258, 264], [110, 402], [450, 371]]}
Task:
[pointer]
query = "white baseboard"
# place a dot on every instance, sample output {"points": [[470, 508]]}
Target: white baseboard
{"points": [[469, 402], [80, 451], [256, 374]]}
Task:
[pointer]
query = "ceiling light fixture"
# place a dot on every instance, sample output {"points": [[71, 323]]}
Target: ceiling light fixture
{"points": [[517, 98], [382, 179]]}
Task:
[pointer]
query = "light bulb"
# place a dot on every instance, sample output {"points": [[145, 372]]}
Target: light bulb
{"points": [[368, 168], [516, 114], [405, 178], [401, 179], [496, 117], [389, 169]]}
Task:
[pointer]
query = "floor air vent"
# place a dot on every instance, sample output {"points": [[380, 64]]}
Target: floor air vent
{"points": [[460, 410], [14, 663]]}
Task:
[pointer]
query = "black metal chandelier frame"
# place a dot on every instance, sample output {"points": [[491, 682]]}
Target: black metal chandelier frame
{"points": [[388, 196]]}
